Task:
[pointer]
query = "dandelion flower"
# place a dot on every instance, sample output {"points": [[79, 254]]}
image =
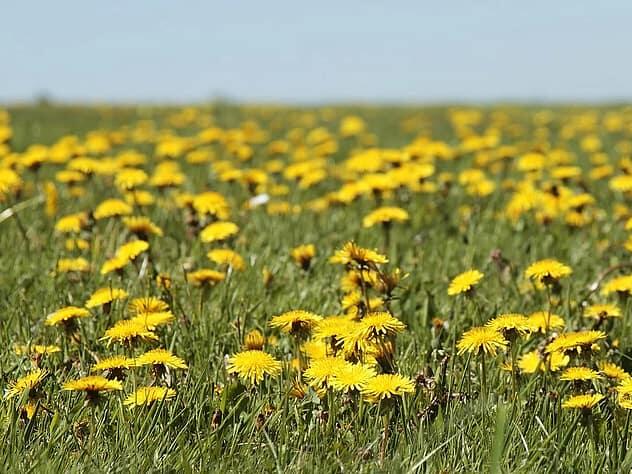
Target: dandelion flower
{"points": [[534, 361], [104, 296], [252, 366], [602, 311], [148, 395], [351, 377], [113, 363], [485, 339], [543, 321], [579, 374], [303, 255], [621, 284], [227, 257], [29, 382], [128, 331], [67, 265], [131, 250], [575, 341], [384, 386], [254, 340], [92, 385], [218, 231], [511, 325], [321, 371], [153, 320], [112, 208], [583, 402], [464, 282], [35, 349], [295, 321], [141, 226], [613, 371], [352, 253], [147, 304], [380, 324], [385, 215], [160, 357], [547, 271], [205, 276], [65, 315]]}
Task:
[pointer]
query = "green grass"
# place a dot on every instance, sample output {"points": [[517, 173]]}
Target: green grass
{"points": [[454, 425]]}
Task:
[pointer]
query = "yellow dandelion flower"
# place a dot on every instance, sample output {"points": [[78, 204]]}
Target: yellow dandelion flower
{"points": [[380, 324], [385, 215], [583, 402], [205, 276], [114, 264], [66, 314], [464, 282], [141, 226], [575, 374], [128, 331], [295, 321], [254, 340], [131, 250], [147, 304], [113, 363], [621, 284], [92, 385], [351, 377], [219, 231], [543, 321], [624, 394], [322, 370], [613, 371], [534, 361], [151, 321], [602, 311], [147, 395], [35, 349], [575, 341], [130, 178], [160, 357], [252, 366], [227, 257], [547, 271], [484, 339], [104, 296], [72, 223], [352, 253], [384, 386], [67, 265], [112, 208], [28, 383], [511, 325], [303, 255]]}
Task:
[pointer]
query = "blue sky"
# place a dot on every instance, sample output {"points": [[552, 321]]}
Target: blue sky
{"points": [[325, 51]]}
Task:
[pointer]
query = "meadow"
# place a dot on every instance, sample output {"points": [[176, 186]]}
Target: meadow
{"points": [[262, 288]]}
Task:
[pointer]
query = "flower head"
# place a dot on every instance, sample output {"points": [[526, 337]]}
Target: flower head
{"points": [[128, 331], [147, 395], [351, 377], [511, 325], [92, 385], [205, 276], [303, 255], [30, 381], [227, 257], [65, 315], [218, 231], [104, 296], [602, 311], [576, 374], [547, 271], [464, 282], [485, 339], [252, 366], [575, 341], [385, 386], [583, 402], [160, 357], [353, 254], [295, 322], [384, 215]]}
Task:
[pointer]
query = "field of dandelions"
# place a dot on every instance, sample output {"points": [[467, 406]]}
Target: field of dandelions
{"points": [[273, 289]]}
